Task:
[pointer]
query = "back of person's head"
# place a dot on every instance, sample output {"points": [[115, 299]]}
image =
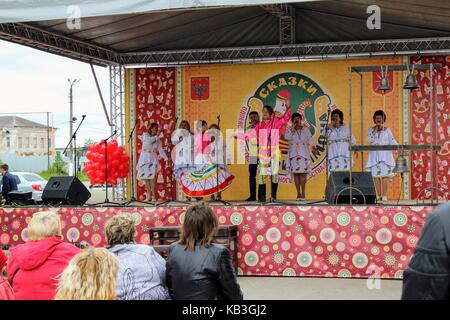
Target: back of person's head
{"points": [[90, 275], [199, 227], [44, 224], [4, 166], [120, 229]]}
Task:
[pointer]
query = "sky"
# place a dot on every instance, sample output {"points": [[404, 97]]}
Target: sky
{"points": [[36, 81]]}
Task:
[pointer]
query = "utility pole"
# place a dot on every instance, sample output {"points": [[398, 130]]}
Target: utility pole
{"points": [[71, 157], [48, 141]]}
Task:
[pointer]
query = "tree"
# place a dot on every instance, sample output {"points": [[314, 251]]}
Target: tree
{"points": [[59, 165]]}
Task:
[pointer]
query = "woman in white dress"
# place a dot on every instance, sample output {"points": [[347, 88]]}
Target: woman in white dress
{"points": [[338, 136], [299, 157], [380, 163], [148, 164], [182, 154]]}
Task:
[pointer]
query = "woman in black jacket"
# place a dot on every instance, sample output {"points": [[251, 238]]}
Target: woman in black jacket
{"points": [[196, 268]]}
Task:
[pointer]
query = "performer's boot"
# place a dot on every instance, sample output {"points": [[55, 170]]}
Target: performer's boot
{"points": [[252, 192], [262, 193], [274, 189]]}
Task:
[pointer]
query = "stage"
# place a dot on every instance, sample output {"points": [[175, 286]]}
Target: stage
{"points": [[274, 240]]}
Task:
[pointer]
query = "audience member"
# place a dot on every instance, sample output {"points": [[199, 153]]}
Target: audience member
{"points": [[90, 275], [197, 268], [427, 276], [142, 270], [34, 266], [6, 292]]}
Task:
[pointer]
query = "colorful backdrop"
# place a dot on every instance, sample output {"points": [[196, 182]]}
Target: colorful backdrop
{"points": [[232, 91]]}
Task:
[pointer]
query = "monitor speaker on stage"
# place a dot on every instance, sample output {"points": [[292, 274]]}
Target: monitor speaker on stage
{"points": [[65, 190], [338, 188]]}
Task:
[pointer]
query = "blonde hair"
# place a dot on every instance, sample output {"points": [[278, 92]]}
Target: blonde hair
{"points": [[90, 275], [120, 229], [199, 227], [44, 224]]}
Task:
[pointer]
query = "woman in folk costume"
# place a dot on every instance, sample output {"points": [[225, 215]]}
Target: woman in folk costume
{"points": [[338, 136], [380, 163], [268, 133], [182, 154], [148, 164], [299, 158], [212, 176]]}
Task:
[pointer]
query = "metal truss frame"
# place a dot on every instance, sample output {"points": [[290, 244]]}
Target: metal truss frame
{"points": [[117, 111], [310, 51], [81, 50], [286, 17], [44, 40]]}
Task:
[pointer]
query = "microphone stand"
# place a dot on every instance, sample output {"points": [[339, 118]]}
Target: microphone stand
{"points": [[107, 202], [218, 196], [74, 138], [133, 177], [169, 153]]}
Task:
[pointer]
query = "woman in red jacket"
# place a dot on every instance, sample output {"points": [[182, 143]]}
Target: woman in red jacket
{"points": [[34, 266]]}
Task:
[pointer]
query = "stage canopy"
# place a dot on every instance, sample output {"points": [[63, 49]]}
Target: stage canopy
{"points": [[161, 32]]}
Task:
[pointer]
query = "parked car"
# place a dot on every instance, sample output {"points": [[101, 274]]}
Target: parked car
{"points": [[28, 181]]}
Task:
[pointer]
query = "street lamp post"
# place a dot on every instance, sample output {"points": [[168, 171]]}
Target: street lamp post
{"points": [[71, 155]]}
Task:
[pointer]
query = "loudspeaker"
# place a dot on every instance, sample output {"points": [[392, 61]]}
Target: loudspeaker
{"points": [[362, 182], [65, 190]]}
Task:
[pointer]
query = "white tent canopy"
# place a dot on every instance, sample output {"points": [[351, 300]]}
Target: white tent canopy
{"points": [[32, 10]]}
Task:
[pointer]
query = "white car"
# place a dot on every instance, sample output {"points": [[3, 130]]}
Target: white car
{"points": [[30, 182]]}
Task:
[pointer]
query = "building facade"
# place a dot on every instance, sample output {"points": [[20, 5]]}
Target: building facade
{"points": [[26, 145]]}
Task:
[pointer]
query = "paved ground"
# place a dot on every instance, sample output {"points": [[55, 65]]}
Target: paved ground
{"points": [[280, 288]]}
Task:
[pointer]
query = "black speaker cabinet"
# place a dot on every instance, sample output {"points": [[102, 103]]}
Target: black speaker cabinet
{"points": [[65, 190], [338, 188]]}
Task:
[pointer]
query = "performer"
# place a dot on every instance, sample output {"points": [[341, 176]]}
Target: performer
{"points": [[253, 153], [380, 163], [210, 175], [183, 140], [148, 164], [200, 143], [216, 154], [268, 133], [299, 157], [339, 157]]}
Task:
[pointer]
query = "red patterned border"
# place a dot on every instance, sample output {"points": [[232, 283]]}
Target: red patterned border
{"points": [[156, 102], [289, 241], [422, 127]]}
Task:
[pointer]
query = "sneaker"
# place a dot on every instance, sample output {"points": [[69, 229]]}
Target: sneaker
{"points": [[384, 198]]}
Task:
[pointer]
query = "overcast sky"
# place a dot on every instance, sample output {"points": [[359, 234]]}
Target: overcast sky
{"points": [[35, 81]]}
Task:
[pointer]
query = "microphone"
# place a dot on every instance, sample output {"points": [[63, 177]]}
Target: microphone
{"points": [[83, 116]]}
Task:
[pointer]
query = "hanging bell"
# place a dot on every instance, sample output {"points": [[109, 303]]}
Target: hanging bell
{"points": [[411, 80], [384, 81], [401, 165]]}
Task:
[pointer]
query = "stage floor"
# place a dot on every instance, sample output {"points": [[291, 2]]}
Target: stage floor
{"points": [[273, 240]]}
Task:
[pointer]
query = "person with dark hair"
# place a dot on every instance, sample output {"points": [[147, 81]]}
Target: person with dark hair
{"points": [[9, 182], [380, 163], [299, 158], [253, 159], [338, 136], [148, 165], [197, 269]]}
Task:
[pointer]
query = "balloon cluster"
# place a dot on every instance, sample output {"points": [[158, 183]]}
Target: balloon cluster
{"points": [[118, 162]]}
